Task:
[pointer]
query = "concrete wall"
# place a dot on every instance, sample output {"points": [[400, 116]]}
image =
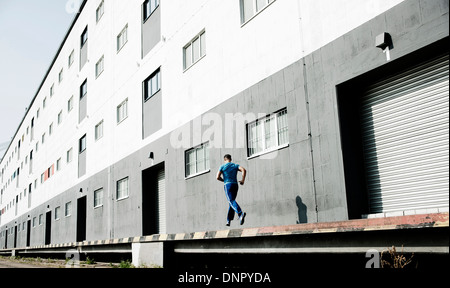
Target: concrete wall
{"points": [[152, 115], [151, 31]]}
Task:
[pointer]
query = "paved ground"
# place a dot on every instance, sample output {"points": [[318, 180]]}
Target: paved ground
{"points": [[6, 262]]}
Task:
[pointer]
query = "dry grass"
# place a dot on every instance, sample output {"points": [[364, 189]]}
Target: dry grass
{"points": [[393, 259]]}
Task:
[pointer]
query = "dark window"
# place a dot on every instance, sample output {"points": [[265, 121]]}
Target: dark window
{"points": [[83, 89], [83, 144], [152, 85], [84, 37], [149, 7]]}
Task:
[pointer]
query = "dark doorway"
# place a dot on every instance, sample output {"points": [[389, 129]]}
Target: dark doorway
{"points": [[48, 228], [6, 238], [28, 233], [151, 209], [15, 236], [81, 219]]}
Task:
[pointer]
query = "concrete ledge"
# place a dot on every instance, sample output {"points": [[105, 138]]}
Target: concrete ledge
{"points": [[435, 220]]}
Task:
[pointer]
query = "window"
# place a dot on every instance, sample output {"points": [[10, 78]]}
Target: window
{"points": [[197, 160], [122, 38], [57, 213], [70, 104], [41, 219], [71, 58], [250, 8], [195, 50], [34, 222], [83, 89], [149, 7], [50, 130], [152, 85], [100, 11], [61, 75], [58, 164], [44, 103], [99, 131], [122, 189], [42, 178], [43, 139], [60, 117], [68, 209], [52, 89], [122, 111], [82, 144], [268, 134], [98, 198], [99, 67], [84, 37], [69, 155]]}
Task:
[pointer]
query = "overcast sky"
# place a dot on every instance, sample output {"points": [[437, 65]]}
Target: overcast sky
{"points": [[30, 34]]}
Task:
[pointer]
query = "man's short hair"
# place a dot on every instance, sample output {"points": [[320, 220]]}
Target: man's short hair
{"points": [[228, 157]]}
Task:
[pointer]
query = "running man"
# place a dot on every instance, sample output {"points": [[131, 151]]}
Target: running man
{"points": [[229, 172]]}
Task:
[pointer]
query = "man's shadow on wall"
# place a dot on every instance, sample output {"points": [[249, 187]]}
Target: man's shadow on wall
{"points": [[302, 209]]}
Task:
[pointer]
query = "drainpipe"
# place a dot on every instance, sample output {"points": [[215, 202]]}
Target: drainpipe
{"points": [[306, 90]]}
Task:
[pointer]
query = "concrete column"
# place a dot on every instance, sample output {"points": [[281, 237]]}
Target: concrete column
{"points": [[148, 254]]}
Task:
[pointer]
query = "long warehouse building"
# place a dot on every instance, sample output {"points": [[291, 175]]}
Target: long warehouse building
{"points": [[338, 109]]}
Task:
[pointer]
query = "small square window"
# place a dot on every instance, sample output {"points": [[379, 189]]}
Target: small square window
{"points": [[58, 164], [197, 160], [122, 189], [122, 111], [70, 104], [68, 209], [71, 58], [99, 67], [194, 50], [122, 38], [100, 11], [99, 131], [69, 155], [57, 213], [60, 114], [98, 198]]}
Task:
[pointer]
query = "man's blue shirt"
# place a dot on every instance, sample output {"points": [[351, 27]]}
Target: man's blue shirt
{"points": [[229, 171]]}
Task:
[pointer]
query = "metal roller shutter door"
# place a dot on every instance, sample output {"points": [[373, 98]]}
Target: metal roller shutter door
{"points": [[162, 201], [405, 128]]}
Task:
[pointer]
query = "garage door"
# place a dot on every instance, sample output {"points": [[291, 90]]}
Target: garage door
{"points": [[405, 127], [161, 201]]}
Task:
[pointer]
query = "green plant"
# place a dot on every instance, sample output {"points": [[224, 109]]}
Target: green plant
{"points": [[126, 264], [90, 261]]}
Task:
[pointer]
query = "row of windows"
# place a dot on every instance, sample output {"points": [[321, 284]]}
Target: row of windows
{"points": [[122, 192], [263, 136]]}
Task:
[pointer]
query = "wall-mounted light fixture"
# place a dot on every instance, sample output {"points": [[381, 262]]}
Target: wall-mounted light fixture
{"points": [[384, 42], [151, 157]]}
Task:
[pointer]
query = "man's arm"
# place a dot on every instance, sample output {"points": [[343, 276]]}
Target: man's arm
{"points": [[244, 174], [219, 176]]}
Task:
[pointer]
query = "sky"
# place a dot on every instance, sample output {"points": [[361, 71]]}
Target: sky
{"points": [[31, 32]]}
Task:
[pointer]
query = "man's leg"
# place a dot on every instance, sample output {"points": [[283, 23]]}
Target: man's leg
{"points": [[231, 193]]}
